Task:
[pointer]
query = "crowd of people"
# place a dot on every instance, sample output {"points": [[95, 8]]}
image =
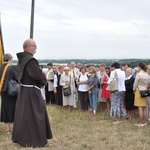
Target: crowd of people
{"points": [[88, 85]]}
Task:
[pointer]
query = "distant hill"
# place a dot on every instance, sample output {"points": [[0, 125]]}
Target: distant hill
{"points": [[96, 62]]}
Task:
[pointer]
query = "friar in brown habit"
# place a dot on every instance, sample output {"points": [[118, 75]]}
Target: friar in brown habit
{"points": [[31, 124]]}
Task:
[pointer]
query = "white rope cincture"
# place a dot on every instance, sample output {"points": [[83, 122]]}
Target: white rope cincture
{"points": [[25, 85]]}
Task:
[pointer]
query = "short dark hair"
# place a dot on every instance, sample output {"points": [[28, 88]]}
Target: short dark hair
{"points": [[7, 57], [143, 66], [83, 68], [115, 65], [108, 68], [49, 64]]}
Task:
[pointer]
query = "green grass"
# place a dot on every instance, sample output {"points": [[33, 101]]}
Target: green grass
{"points": [[78, 130]]}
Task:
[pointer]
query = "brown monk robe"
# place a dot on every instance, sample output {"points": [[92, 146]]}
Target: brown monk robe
{"points": [[31, 125]]}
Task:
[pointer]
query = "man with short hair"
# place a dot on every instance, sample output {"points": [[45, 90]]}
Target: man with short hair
{"points": [[50, 97], [31, 124]]}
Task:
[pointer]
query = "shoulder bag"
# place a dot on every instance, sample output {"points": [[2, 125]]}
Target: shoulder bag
{"points": [[145, 93], [113, 86], [67, 90], [13, 88]]}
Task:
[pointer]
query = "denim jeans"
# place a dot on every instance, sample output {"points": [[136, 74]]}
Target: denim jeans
{"points": [[93, 97]]}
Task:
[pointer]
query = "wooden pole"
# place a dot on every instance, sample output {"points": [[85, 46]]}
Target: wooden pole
{"points": [[32, 19]]}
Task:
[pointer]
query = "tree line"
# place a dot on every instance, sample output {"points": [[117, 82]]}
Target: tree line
{"points": [[133, 62]]}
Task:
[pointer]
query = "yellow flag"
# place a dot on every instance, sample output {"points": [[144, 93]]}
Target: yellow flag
{"points": [[1, 46]]}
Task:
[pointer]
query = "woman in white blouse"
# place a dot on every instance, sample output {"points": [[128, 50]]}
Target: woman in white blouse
{"points": [[117, 98], [82, 89]]}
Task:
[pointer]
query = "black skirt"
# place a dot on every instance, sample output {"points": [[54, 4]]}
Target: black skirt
{"points": [[8, 104]]}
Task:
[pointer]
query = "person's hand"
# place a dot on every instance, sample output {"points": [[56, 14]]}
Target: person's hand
{"points": [[84, 82], [55, 91], [67, 83], [89, 91]]}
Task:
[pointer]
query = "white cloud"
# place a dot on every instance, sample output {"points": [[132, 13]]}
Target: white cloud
{"points": [[79, 29]]}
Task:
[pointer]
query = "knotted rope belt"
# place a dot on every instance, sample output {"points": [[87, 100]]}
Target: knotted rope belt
{"points": [[30, 86]]}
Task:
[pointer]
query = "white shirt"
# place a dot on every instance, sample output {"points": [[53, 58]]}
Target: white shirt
{"points": [[55, 80], [83, 87], [128, 77], [121, 79]]}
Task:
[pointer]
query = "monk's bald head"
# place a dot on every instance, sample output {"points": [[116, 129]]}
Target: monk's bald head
{"points": [[29, 45]]}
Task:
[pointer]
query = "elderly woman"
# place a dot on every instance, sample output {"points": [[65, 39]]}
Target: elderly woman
{"points": [[148, 98], [129, 94], [141, 83], [117, 98], [8, 102], [92, 83], [67, 80]]}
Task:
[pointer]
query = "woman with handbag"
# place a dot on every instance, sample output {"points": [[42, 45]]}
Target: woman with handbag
{"points": [[117, 109], [67, 82], [141, 83], [8, 103]]}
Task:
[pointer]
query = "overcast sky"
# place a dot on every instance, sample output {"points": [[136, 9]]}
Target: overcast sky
{"points": [[91, 29]]}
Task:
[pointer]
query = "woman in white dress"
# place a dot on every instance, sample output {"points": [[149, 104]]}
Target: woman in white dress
{"points": [[67, 80]]}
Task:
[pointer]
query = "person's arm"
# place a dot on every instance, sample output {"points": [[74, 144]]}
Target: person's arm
{"points": [[35, 72], [15, 73], [111, 77], [136, 82], [95, 83], [73, 83], [62, 83], [55, 83], [55, 80]]}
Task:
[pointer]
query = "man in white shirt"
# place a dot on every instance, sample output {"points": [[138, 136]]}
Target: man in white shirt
{"points": [[49, 89]]}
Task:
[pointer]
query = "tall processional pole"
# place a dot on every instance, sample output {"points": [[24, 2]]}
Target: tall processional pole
{"points": [[32, 19]]}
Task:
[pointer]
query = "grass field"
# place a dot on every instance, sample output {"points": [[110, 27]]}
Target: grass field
{"points": [[78, 130]]}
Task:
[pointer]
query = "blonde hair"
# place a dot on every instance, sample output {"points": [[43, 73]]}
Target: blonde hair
{"points": [[93, 69], [129, 70], [102, 65], [66, 68]]}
